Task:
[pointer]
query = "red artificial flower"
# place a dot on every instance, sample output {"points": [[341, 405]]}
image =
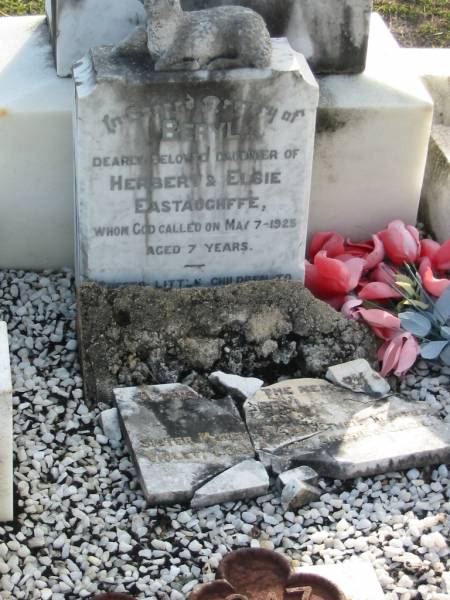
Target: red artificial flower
{"points": [[329, 241], [372, 251], [439, 255], [432, 284], [384, 274], [441, 260], [331, 279], [398, 354], [401, 242], [428, 248]]}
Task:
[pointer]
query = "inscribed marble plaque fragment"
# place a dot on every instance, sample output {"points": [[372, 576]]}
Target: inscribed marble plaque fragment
{"points": [[178, 439], [192, 178], [341, 433]]}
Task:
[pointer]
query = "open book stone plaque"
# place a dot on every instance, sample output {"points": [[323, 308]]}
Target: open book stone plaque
{"points": [[192, 178]]}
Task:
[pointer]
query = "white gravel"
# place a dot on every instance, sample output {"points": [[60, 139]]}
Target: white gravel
{"points": [[82, 525]]}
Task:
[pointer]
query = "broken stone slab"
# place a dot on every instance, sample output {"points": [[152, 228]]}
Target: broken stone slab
{"points": [[179, 440], [340, 433], [248, 479], [109, 420], [240, 387], [135, 335], [298, 493], [6, 429], [303, 473], [358, 376]]}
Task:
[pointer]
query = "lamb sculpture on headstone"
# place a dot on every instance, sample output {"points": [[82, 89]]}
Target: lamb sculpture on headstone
{"points": [[225, 37]]}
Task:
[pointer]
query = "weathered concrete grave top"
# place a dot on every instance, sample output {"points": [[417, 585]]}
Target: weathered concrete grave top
{"points": [[6, 429], [341, 433], [192, 178], [138, 334], [178, 439]]}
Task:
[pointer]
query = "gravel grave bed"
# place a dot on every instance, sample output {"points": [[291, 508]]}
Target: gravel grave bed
{"points": [[82, 525]]}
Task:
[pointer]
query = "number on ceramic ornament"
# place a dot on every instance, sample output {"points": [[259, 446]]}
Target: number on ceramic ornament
{"points": [[304, 593]]}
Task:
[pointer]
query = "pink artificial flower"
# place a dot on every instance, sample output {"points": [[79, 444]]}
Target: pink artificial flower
{"points": [[329, 241], [350, 307], [433, 285], [401, 242], [331, 279], [372, 251], [377, 290], [384, 324], [398, 353]]}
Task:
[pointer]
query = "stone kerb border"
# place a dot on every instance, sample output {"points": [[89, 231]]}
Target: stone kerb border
{"points": [[6, 429]]}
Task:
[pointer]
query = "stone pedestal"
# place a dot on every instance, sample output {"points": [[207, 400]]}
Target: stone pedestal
{"points": [[36, 164], [6, 429], [77, 26], [192, 178]]}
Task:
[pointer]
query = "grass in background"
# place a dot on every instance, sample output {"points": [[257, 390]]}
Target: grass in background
{"points": [[21, 7], [413, 22], [417, 22]]}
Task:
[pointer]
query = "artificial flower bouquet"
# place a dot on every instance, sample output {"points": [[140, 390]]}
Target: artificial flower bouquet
{"points": [[395, 282]]}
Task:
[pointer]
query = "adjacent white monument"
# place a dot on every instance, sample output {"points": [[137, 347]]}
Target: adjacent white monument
{"points": [[6, 429], [77, 26], [192, 178]]}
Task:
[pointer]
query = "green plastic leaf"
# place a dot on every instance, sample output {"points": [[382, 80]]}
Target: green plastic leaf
{"points": [[419, 304], [400, 278], [442, 306], [414, 303], [431, 350], [445, 356], [415, 323], [407, 287]]}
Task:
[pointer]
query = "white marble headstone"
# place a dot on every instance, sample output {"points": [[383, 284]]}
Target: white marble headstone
{"points": [[192, 178], [6, 429]]}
